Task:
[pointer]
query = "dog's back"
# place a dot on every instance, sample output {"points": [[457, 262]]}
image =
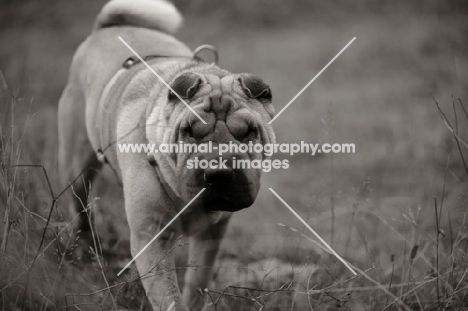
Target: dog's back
{"points": [[147, 26], [152, 14]]}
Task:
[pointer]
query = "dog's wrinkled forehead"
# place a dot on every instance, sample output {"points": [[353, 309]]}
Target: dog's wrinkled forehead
{"points": [[190, 84]]}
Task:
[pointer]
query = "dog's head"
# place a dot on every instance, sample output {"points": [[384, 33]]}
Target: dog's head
{"points": [[236, 109]]}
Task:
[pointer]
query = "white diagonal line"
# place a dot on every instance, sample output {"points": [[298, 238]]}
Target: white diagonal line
{"points": [[160, 232], [162, 80], [310, 82], [315, 233], [171, 306]]}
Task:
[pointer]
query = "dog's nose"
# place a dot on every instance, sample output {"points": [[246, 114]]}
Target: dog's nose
{"points": [[218, 176]]}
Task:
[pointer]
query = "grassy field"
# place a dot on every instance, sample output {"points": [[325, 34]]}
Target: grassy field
{"points": [[377, 207]]}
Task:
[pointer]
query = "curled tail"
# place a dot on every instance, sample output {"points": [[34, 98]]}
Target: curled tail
{"points": [[153, 14]]}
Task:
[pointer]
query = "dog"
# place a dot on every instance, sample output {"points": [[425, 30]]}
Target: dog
{"points": [[112, 98]]}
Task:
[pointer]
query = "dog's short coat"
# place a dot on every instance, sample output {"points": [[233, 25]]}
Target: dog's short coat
{"points": [[105, 104]]}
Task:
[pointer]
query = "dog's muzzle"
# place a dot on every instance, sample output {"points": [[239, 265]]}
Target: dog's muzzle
{"points": [[227, 189]]}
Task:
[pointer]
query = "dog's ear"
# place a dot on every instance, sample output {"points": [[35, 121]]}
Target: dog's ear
{"points": [[186, 85], [254, 87]]}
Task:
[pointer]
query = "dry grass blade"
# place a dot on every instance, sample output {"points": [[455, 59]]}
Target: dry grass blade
{"points": [[449, 125]]}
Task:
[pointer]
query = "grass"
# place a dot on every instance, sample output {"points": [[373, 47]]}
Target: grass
{"points": [[396, 210]]}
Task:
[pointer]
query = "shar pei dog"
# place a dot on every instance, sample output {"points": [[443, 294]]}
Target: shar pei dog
{"points": [[113, 98]]}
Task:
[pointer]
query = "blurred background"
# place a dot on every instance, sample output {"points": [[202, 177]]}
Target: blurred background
{"points": [[376, 207]]}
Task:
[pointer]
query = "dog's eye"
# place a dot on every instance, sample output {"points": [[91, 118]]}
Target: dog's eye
{"points": [[186, 85], [188, 131], [254, 87], [253, 132]]}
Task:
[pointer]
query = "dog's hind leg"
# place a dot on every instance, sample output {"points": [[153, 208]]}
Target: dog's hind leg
{"points": [[78, 163]]}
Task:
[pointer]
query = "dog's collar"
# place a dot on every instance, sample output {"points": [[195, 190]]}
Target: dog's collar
{"points": [[132, 60]]}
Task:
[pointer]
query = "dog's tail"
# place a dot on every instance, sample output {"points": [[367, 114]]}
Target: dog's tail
{"points": [[153, 14]]}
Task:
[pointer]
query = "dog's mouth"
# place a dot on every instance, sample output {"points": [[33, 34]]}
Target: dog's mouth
{"points": [[228, 188], [224, 197], [215, 203]]}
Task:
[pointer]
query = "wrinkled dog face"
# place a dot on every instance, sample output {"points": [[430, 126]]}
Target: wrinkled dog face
{"points": [[236, 108]]}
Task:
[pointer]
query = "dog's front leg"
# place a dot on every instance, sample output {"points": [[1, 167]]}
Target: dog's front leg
{"points": [[204, 247], [156, 264], [148, 210]]}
